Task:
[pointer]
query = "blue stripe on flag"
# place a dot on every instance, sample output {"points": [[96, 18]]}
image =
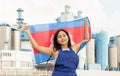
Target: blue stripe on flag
{"points": [[53, 26], [40, 57]]}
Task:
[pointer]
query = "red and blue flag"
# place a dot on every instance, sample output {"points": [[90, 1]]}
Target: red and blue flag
{"points": [[44, 33]]}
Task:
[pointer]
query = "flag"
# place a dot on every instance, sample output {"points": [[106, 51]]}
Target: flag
{"points": [[44, 33]]}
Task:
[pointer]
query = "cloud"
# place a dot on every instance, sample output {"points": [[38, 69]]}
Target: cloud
{"points": [[104, 14], [110, 6], [112, 11]]}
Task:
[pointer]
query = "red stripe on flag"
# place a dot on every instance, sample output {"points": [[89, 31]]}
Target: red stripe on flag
{"points": [[45, 38]]}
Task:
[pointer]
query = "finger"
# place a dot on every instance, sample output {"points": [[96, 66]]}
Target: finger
{"points": [[25, 24]]}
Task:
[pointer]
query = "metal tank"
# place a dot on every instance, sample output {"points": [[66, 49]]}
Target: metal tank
{"points": [[5, 37], [118, 49], [102, 49], [113, 57], [16, 40], [90, 52]]}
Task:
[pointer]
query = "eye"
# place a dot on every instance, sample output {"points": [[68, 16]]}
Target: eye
{"points": [[64, 35], [59, 36]]}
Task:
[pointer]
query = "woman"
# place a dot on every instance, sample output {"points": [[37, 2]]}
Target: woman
{"points": [[65, 53]]}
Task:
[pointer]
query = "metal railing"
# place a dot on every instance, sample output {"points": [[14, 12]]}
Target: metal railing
{"points": [[25, 72]]}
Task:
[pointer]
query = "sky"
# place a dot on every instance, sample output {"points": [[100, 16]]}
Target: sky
{"points": [[103, 14]]}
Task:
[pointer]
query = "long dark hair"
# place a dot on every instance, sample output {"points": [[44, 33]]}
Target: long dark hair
{"points": [[57, 46]]}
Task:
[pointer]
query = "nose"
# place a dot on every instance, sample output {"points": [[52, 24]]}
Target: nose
{"points": [[62, 37]]}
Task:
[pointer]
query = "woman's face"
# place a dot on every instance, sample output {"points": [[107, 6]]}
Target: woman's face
{"points": [[62, 38]]}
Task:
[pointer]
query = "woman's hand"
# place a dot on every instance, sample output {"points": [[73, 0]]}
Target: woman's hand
{"points": [[25, 27], [86, 22], [86, 30]]}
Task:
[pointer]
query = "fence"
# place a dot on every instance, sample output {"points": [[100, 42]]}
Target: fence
{"points": [[25, 73], [48, 73]]}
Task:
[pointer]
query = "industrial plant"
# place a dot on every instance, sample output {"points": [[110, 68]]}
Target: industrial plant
{"points": [[101, 53]]}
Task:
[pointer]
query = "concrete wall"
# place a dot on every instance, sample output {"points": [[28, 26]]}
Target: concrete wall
{"points": [[97, 73], [48, 73]]}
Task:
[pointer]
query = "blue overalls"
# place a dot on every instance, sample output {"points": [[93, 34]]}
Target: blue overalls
{"points": [[66, 63]]}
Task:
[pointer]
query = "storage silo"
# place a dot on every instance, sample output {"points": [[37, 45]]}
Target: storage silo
{"points": [[102, 49], [113, 57], [5, 37], [118, 49], [16, 40], [90, 51], [1, 38]]}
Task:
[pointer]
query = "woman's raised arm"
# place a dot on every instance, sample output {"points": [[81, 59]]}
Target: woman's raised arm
{"points": [[45, 50], [76, 47]]}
